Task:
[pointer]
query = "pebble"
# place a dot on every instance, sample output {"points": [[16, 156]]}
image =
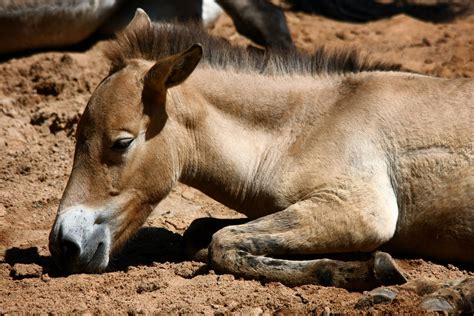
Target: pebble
{"points": [[252, 311], [225, 278], [383, 294], [452, 267], [380, 295], [426, 41], [231, 305], [3, 211], [45, 278], [326, 311], [5, 101]]}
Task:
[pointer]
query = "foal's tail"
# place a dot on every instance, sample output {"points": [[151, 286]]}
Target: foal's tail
{"points": [[369, 10]]}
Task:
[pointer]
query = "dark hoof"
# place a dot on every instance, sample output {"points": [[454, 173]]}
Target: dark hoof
{"points": [[386, 270], [436, 304], [452, 297], [198, 236]]}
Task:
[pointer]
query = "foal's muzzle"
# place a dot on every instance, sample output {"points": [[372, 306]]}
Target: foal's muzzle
{"points": [[79, 242]]}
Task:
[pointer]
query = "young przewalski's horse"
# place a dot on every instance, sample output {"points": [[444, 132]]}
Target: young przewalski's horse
{"points": [[325, 154]]}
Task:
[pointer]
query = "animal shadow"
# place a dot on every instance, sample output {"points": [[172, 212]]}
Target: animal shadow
{"points": [[371, 10], [30, 255], [148, 246]]}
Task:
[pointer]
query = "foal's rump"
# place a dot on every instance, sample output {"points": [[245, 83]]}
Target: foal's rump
{"points": [[442, 225], [435, 173]]}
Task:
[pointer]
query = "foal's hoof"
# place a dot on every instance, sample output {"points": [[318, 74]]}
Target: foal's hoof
{"points": [[436, 304], [453, 297], [386, 270], [198, 236]]}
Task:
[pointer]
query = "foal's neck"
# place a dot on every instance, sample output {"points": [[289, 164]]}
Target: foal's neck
{"points": [[243, 124]]}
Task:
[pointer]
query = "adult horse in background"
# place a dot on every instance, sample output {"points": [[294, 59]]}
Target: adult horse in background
{"points": [[325, 154], [34, 24]]}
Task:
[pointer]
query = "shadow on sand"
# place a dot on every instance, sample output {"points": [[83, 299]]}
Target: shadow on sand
{"points": [[150, 245]]}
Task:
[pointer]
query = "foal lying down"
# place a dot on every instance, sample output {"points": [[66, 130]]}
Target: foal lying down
{"points": [[325, 154]]}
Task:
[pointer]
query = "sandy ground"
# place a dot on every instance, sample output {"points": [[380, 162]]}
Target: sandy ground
{"points": [[41, 98]]}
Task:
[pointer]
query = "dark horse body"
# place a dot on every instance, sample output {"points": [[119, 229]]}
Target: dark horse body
{"points": [[31, 24]]}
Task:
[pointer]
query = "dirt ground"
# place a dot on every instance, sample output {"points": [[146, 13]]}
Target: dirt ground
{"points": [[41, 99]]}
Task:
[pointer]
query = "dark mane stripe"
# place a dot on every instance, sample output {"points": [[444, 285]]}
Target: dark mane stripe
{"points": [[160, 40]]}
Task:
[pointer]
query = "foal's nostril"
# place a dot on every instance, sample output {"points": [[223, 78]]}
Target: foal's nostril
{"points": [[70, 249]]}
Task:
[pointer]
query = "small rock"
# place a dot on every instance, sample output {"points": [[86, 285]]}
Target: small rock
{"points": [[452, 267], [380, 295], [225, 278], [326, 311], [21, 271], [5, 101], [303, 299], [45, 278], [252, 311], [188, 195], [151, 286], [442, 41], [231, 305], [67, 59], [383, 294], [188, 270], [426, 41], [3, 211]]}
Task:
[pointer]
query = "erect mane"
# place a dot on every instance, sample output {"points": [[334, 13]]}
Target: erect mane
{"points": [[152, 42]]}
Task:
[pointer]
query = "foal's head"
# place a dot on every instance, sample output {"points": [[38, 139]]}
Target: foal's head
{"points": [[125, 160]]}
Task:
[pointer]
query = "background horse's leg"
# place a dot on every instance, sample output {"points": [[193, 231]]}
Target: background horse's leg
{"points": [[259, 20], [354, 221]]}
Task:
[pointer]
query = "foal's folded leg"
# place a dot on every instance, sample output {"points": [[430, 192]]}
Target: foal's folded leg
{"points": [[359, 222]]}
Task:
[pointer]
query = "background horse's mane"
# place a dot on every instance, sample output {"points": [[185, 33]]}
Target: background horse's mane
{"points": [[155, 41]]}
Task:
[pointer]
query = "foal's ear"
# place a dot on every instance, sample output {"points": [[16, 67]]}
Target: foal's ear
{"points": [[173, 70], [139, 21]]}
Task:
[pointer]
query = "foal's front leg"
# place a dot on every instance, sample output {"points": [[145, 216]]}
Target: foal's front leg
{"points": [[356, 221]]}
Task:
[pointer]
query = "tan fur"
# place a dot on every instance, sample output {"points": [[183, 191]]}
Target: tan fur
{"points": [[330, 163]]}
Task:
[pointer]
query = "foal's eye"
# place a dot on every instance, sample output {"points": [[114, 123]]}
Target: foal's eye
{"points": [[122, 144]]}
